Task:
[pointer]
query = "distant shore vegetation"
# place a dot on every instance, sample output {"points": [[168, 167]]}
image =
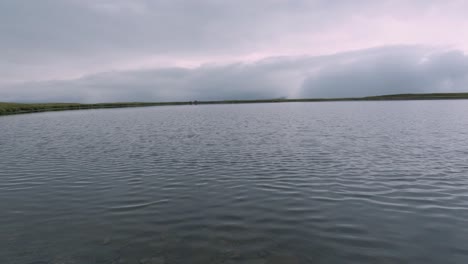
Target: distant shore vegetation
{"points": [[22, 108]]}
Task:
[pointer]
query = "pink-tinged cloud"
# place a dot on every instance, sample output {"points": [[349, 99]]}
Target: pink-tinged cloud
{"points": [[388, 70], [56, 40]]}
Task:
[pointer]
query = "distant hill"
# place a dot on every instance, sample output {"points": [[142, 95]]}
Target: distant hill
{"points": [[429, 96]]}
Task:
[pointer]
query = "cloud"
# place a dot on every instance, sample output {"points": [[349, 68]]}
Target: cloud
{"points": [[63, 39], [385, 70], [235, 81], [390, 72], [161, 50]]}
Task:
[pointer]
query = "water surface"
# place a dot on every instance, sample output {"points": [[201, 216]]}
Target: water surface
{"points": [[330, 182]]}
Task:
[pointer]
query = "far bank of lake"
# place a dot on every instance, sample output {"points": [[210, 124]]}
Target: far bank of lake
{"points": [[22, 108]]}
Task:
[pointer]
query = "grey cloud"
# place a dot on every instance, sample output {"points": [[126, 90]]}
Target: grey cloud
{"points": [[38, 38], [235, 81], [387, 70], [57, 26], [42, 37], [404, 71], [61, 27]]}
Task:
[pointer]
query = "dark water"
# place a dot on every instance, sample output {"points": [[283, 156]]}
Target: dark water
{"points": [[345, 182]]}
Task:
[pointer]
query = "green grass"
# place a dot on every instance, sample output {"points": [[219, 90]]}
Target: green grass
{"points": [[430, 96], [17, 108]]}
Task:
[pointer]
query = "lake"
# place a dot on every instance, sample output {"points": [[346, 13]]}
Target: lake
{"points": [[329, 182]]}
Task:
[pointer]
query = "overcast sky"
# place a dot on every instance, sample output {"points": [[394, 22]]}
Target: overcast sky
{"points": [[165, 50]]}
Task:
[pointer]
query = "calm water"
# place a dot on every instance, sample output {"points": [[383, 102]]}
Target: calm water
{"points": [[343, 182]]}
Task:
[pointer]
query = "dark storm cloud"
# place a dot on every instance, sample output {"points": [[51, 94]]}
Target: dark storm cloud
{"points": [[398, 69]]}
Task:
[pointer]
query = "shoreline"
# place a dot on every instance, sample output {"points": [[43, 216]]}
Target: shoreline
{"points": [[25, 108]]}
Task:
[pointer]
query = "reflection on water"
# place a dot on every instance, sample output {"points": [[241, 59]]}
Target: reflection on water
{"points": [[342, 182]]}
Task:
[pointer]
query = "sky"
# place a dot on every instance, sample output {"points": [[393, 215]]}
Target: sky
{"points": [[173, 50]]}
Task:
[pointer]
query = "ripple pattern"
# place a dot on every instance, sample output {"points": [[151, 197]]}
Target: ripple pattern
{"points": [[338, 182]]}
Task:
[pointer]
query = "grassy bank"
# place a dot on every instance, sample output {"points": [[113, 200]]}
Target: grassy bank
{"points": [[17, 108]]}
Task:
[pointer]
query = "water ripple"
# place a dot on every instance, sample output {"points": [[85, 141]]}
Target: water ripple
{"points": [[280, 183]]}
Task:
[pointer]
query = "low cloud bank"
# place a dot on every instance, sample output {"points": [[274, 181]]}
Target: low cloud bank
{"points": [[385, 70]]}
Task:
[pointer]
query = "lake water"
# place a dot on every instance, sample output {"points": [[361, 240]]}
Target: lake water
{"points": [[330, 182]]}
